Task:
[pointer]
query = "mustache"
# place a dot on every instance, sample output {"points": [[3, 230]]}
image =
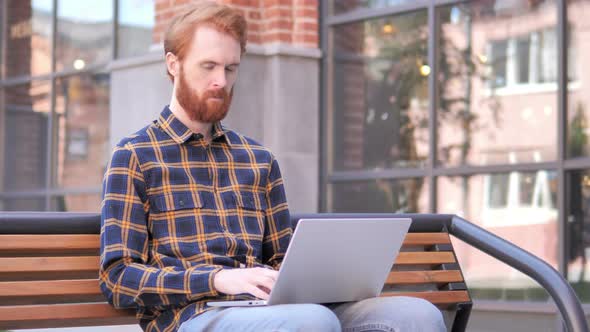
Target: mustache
{"points": [[219, 93]]}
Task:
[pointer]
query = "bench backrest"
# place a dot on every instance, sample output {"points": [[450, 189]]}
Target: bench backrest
{"points": [[50, 280]]}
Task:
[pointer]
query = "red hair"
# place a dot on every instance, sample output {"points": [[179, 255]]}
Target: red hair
{"points": [[181, 30]]}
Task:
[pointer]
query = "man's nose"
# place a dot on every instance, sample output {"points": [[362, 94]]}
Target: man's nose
{"points": [[220, 79]]}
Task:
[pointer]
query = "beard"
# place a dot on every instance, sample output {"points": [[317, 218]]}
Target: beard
{"points": [[203, 108]]}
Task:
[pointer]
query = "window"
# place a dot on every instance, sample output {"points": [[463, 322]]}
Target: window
{"points": [[380, 101], [135, 28], [524, 60], [54, 128]]}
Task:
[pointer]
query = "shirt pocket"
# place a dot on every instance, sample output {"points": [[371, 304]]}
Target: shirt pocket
{"points": [[251, 208], [179, 228]]}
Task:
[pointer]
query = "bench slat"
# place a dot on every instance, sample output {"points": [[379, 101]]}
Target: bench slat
{"points": [[414, 239], [48, 264], [437, 257], [32, 316], [423, 277], [48, 288], [438, 298], [35, 243], [90, 263]]}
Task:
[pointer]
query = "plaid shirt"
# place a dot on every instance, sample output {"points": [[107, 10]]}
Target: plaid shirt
{"points": [[176, 210]]}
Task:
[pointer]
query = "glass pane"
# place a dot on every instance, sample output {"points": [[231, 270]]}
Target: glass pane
{"points": [[401, 196], [520, 207], [578, 92], [578, 232], [22, 204], [343, 6], [135, 28], [84, 33], [76, 203], [380, 98], [28, 37], [2, 38], [26, 112], [82, 130], [497, 82]]}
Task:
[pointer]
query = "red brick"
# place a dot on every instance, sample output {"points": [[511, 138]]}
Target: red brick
{"points": [[254, 27], [279, 25], [254, 38], [311, 39], [272, 3], [277, 36], [254, 15], [276, 12], [306, 3], [304, 12], [245, 3], [306, 26]]}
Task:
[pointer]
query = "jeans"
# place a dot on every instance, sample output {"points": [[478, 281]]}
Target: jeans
{"points": [[392, 314]]}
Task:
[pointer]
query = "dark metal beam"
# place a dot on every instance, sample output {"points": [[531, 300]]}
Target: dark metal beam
{"points": [[433, 36]]}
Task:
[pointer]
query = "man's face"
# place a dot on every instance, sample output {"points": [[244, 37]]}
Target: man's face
{"points": [[204, 82]]}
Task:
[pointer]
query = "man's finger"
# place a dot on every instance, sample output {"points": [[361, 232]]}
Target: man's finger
{"points": [[252, 289], [265, 281]]}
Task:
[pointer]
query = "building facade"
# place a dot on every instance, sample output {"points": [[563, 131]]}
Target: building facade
{"points": [[476, 108]]}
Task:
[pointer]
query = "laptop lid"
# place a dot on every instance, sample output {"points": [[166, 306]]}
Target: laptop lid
{"points": [[338, 260]]}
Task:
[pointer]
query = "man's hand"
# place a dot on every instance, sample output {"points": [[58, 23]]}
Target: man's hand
{"points": [[257, 281]]}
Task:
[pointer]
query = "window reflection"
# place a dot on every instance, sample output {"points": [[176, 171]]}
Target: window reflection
{"points": [[22, 204], [76, 203], [380, 100], [28, 37], [498, 80], [520, 207], [82, 116], [343, 6], [26, 114], [401, 196], [578, 92], [135, 27], [84, 33], [578, 232]]}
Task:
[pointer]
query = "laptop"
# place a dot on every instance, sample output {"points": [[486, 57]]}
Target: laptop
{"points": [[335, 260]]}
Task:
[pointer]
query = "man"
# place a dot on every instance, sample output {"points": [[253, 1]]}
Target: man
{"points": [[194, 212]]}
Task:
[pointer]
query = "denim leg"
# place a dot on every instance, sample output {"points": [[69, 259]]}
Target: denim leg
{"points": [[279, 318], [391, 314]]}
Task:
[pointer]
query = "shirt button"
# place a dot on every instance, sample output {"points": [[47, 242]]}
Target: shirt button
{"points": [[181, 202]]}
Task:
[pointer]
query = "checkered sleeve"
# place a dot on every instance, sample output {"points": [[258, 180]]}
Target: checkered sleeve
{"points": [[125, 278], [277, 233]]}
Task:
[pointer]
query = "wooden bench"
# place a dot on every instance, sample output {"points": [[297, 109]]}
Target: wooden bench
{"points": [[49, 267]]}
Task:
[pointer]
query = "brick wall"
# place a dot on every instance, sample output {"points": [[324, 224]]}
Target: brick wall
{"points": [[293, 22], [20, 31]]}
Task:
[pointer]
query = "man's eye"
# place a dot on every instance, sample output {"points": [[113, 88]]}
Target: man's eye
{"points": [[208, 66], [230, 69]]}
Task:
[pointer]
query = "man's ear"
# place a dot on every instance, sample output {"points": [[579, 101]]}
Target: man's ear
{"points": [[172, 64]]}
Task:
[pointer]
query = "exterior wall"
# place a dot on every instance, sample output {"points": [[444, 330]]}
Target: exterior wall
{"points": [[275, 99], [291, 22], [139, 91], [275, 102]]}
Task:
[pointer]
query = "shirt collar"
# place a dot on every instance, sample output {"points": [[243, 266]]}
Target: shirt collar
{"points": [[180, 133]]}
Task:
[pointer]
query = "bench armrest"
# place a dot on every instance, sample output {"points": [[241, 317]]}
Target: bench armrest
{"points": [[559, 289]]}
